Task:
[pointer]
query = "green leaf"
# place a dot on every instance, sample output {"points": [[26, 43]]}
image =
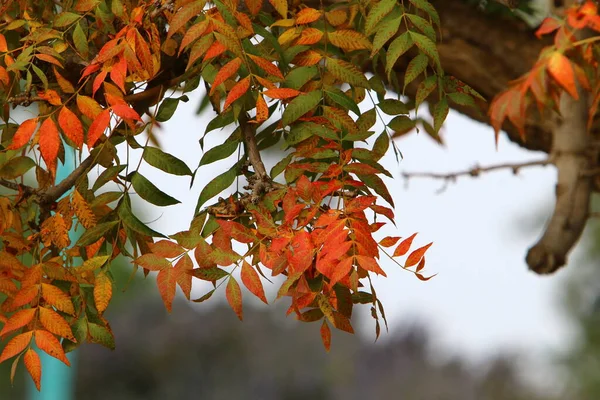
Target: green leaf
{"points": [[209, 274], [300, 106], [425, 89], [423, 25], [429, 9], [340, 98], [165, 162], [377, 13], [401, 125], [167, 108], [416, 67], [16, 167], [149, 192], [217, 185], [428, 47], [462, 99], [299, 76], [440, 112], [346, 72], [220, 121], [366, 120], [131, 221], [393, 107], [397, 48], [92, 235], [205, 297], [107, 175], [381, 145], [377, 184], [40, 74], [221, 151], [101, 335], [280, 166], [80, 41], [65, 18], [385, 32]]}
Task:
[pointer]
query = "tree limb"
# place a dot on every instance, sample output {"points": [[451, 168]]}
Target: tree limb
{"points": [[53, 193]]}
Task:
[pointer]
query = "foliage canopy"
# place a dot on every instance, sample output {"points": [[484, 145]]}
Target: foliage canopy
{"points": [[277, 71]]}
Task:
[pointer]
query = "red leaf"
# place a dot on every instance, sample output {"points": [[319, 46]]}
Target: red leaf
{"points": [[421, 264], [71, 126], [237, 91], [166, 281], [50, 344], [125, 112], [49, 143], [267, 66], [282, 93], [234, 296], [326, 336], [548, 26], [561, 70], [98, 81], [118, 73], [237, 231], [215, 49], [389, 241], [33, 365], [340, 271], [23, 134], [98, 127], [166, 248], [359, 204], [404, 246], [369, 264], [416, 256], [251, 280], [184, 279], [16, 345], [225, 73]]}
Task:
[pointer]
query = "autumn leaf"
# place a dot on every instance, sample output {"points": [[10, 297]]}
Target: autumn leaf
{"points": [[49, 344], [234, 296], [55, 323], [16, 345], [307, 15], [23, 134], [98, 128], [49, 143], [33, 365], [404, 246], [57, 298], [282, 93], [102, 292], [18, 320], [71, 126], [225, 73], [251, 280], [561, 70], [416, 256], [237, 91], [326, 335]]}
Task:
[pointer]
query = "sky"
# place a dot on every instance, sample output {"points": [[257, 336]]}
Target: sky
{"points": [[483, 299]]}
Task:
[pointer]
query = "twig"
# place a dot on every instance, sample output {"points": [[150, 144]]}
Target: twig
{"points": [[53, 193], [477, 170]]}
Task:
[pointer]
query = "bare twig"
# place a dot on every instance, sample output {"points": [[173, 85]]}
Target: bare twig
{"points": [[53, 193], [477, 170]]}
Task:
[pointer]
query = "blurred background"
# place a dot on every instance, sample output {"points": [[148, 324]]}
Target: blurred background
{"points": [[484, 328]]}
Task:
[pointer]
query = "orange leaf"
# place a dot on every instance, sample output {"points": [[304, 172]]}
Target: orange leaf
{"points": [[71, 126], [55, 323], [237, 91], [251, 280], [152, 262], [184, 279], [215, 49], [25, 295], [326, 335], [262, 109], [23, 134], [57, 298], [18, 320], [118, 73], [340, 271], [254, 6], [307, 15], [181, 17], [3, 44], [267, 66], [88, 107], [4, 78], [421, 264], [64, 84], [389, 241], [124, 111], [404, 246], [416, 256], [282, 93], [561, 70], [307, 58], [281, 6], [102, 292], [225, 73], [166, 248], [309, 36], [234, 296], [548, 26], [48, 58], [50, 344], [166, 281], [369, 264], [16, 345], [98, 81], [33, 364], [49, 143], [265, 82], [193, 33], [98, 127], [51, 96]]}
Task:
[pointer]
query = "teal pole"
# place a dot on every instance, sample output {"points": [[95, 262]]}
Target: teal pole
{"points": [[58, 380]]}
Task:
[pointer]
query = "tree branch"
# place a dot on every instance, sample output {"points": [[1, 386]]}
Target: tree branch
{"points": [[53, 193], [477, 170]]}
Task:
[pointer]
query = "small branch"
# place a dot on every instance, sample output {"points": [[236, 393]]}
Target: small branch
{"points": [[252, 148], [9, 185], [477, 170], [53, 193]]}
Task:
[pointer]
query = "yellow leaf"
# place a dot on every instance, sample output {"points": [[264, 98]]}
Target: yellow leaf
{"points": [[102, 292]]}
